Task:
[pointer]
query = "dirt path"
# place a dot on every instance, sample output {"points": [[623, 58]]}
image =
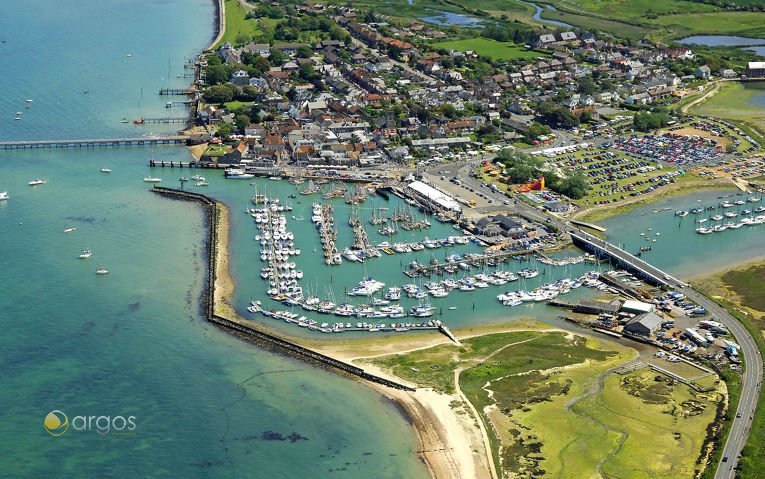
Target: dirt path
{"points": [[479, 420]]}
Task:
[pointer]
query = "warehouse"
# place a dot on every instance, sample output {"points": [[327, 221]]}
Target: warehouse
{"points": [[432, 196], [644, 325]]}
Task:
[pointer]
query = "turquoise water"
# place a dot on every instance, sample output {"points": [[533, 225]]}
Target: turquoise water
{"points": [[678, 248], [133, 343]]}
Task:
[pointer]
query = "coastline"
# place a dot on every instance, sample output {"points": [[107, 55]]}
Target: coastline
{"points": [[220, 10], [449, 444], [597, 213]]}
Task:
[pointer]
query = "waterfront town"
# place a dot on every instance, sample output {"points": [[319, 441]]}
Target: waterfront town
{"points": [[435, 206], [520, 155]]}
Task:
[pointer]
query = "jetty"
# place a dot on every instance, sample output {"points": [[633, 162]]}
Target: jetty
{"points": [[96, 142], [247, 329], [177, 91], [475, 261]]}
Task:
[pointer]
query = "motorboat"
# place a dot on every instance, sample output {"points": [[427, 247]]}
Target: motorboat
{"points": [[201, 183], [681, 213], [4, 195], [150, 179], [102, 271], [105, 170], [237, 174], [36, 182], [69, 229], [86, 254], [198, 178]]}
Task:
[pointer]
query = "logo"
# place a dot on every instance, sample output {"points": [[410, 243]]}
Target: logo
{"points": [[56, 423]]}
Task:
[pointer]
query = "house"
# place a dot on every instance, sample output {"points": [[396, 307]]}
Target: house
{"points": [[644, 325], [240, 77], [262, 49], [728, 73], [638, 99], [703, 72], [289, 48], [755, 70], [500, 225], [544, 40], [568, 36]]}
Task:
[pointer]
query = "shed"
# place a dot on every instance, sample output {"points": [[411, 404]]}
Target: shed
{"points": [[644, 325], [637, 307]]}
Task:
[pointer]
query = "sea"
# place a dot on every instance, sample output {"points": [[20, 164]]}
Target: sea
{"points": [[130, 347], [133, 343]]}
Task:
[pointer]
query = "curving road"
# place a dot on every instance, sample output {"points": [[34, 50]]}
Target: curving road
{"points": [[753, 373]]}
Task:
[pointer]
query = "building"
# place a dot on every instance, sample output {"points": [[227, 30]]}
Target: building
{"points": [[755, 70], [637, 307], [644, 325], [500, 225], [703, 72], [432, 196]]}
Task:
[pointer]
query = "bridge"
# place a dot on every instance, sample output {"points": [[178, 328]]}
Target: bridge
{"points": [[626, 260], [97, 142]]}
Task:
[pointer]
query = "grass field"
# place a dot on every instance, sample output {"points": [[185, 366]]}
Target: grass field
{"points": [[237, 23], [741, 292], [521, 381], [661, 426], [489, 48], [737, 102]]}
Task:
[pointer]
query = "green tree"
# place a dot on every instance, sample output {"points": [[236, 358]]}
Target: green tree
{"points": [[242, 121], [306, 72], [217, 74], [277, 58], [304, 52], [225, 130], [243, 39], [218, 94]]}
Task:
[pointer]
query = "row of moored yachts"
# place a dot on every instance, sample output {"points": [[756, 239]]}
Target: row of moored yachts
{"points": [[550, 291], [748, 221]]}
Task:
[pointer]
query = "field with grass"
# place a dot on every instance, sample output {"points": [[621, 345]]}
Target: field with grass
{"points": [[661, 424], [522, 383], [743, 103], [742, 291], [237, 23], [489, 48]]}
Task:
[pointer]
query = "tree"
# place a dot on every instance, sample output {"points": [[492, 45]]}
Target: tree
{"points": [[277, 58], [304, 52], [224, 130], [242, 121], [448, 110], [219, 94], [217, 74], [291, 93], [306, 72], [248, 93], [586, 85], [574, 186]]}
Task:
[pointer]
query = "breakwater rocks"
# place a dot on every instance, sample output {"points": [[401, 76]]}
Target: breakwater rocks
{"points": [[243, 328]]}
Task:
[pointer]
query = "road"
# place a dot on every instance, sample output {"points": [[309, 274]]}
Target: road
{"points": [[753, 372]]}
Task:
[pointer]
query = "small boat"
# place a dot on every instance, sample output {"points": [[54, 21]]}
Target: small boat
{"points": [[183, 179], [102, 271], [237, 174], [452, 308], [129, 55], [201, 183], [36, 182], [4, 195], [124, 120], [149, 179], [105, 170], [69, 229], [198, 178], [86, 254], [138, 121]]}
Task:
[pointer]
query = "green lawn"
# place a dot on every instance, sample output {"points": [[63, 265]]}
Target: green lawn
{"points": [[237, 23], [489, 48], [662, 426], [737, 102]]}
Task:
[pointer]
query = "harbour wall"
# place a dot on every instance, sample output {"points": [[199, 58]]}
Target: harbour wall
{"points": [[246, 329]]}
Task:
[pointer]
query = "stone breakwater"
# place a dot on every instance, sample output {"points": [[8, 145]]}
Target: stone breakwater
{"points": [[247, 329]]}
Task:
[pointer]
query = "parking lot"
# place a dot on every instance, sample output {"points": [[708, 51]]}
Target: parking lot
{"points": [[612, 175], [683, 151]]}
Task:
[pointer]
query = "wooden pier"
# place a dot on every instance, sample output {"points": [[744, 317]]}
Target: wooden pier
{"points": [[168, 119], [95, 143], [475, 262], [177, 91]]}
